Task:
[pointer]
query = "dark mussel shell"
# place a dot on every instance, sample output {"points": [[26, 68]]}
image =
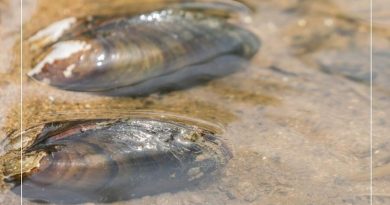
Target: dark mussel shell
{"points": [[106, 160], [168, 49]]}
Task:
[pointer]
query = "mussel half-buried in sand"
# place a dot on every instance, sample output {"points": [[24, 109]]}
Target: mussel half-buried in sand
{"points": [[168, 49], [107, 160]]}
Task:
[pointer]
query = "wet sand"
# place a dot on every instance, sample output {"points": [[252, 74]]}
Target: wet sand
{"points": [[297, 118]]}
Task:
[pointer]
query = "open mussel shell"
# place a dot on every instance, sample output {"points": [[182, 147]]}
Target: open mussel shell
{"points": [[107, 160], [172, 48]]}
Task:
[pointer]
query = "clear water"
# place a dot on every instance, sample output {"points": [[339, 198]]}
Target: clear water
{"points": [[297, 119]]}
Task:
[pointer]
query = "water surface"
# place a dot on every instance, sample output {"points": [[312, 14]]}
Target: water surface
{"points": [[297, 119]]}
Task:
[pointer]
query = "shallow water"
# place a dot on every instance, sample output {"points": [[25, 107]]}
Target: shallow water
{"points": [[297, 119]]}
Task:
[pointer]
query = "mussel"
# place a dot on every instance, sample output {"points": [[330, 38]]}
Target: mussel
{"points": [[107, 160], [172, 48]]}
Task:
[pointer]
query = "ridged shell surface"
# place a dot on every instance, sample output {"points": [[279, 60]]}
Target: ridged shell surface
{"points": [[139, 55], [106, 160]]}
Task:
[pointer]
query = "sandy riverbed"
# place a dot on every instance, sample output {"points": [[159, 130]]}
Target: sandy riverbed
{"points": [[297, 119]]}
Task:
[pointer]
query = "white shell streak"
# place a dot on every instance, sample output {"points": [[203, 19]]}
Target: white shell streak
{"points": [[61, 50], [53, 32], [68, 71]]}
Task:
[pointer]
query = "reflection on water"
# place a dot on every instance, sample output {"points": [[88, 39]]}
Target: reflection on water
{"points": [[297, 118]]}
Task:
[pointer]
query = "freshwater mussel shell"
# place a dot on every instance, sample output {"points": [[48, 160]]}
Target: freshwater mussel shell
{"points": [[107, 160], [172, 48]]}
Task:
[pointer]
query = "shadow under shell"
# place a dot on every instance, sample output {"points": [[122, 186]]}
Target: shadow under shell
{"points": [[113, 160]]}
